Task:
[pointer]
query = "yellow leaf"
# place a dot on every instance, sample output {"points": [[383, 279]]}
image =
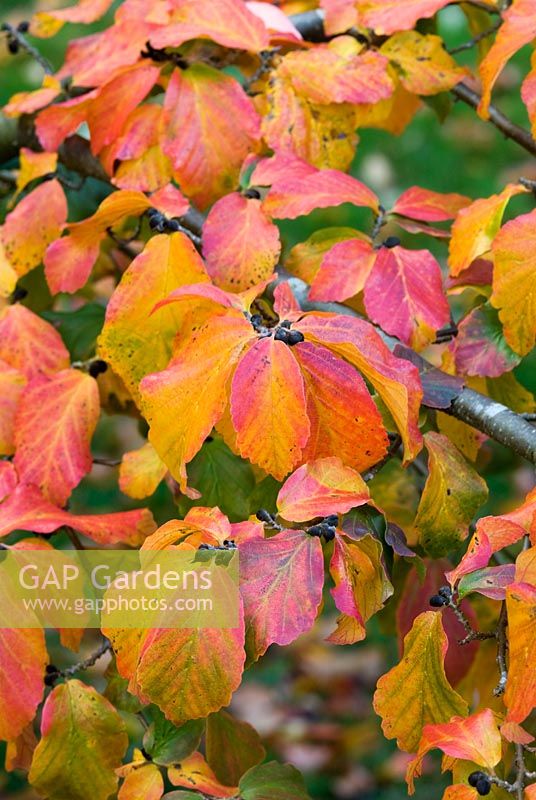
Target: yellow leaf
{"points": [[141, 471], [416, 692], [424, 65]]}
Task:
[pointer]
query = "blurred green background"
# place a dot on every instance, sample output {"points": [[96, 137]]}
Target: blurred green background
{"points": [[312, 702]]}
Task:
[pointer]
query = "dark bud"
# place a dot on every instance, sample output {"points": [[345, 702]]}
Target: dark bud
{"points": [[50, 669], [13, 46], [51, 678], [316, 530], [286, 323], [252, 194], [256, 320], [283, 335], [446, 592], [474, 777], [97, 367], [436, 601], [153, 212], [230, 544], [23, 27], [391, 241], [264, 516], [332, 520], [483, 786], [294, 337], [205, 546], [329, 532], [19, 294], [173, 225]]}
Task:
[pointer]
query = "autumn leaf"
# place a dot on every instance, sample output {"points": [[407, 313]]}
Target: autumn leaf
{"points": [[12, 383], [404, 294], [48, 23], [452, 494], [25, 245], [223, 127], [424, 65], [514, 282], [281, 582], [395, 380], [297, 188], [321, 488], [338, 73], [518, 28], [194, 773], [361, 584], [134, 340], [145, 781], [231, 24], [83, 741], [475, 227], [273, 781], [29, 344], [268, 407], [27, 509], [193, 389], [427, 206], [416, 692], [343, 270], [56, 462], [480, 347], [8, 478], [383, 16], [19, 700], [241, 245], [34, 165], [343, 417], [475, 738], [520, 695], [140, 472]]}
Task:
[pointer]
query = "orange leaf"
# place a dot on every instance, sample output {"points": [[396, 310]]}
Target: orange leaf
{"points": [[56, 122], [343, 417], [191, 392], [134, 340], [25, 650], [194, 773], [404, 295], [56, 458], [268, 407], [343, 271], [475, 228], [27, 509], [520, 694], [396, 381], [211, 127], [475, 738], [383, 16], [321, 488], [48, 23], [143, 782], [229, 23], [8, 478], [514, 282], [30, 344], [338, 73], [240, 244], [518, 28], [25, 244]]}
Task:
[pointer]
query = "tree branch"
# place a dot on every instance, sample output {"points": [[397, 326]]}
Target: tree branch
{"points": [[311, 26]]}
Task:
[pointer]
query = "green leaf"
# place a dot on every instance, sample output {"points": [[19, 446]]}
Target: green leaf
{"points": [[273, 781], [117, 691], [78, 329], [182, 796], [224, 480], [264, 495], [167, 744], [232, 747]]}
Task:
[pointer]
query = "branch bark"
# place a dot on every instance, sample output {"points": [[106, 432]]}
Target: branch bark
{"points": [[311, 26]]}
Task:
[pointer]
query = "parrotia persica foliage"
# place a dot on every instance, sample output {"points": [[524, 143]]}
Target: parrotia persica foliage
{"points": [[288, 430]]}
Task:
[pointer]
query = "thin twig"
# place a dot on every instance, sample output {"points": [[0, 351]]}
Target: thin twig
{"points": [[15, 35], [502, 644], [472, 635], [53, 674], [107, 462], [476, 39], [520, 779], [393, 447], [378, 223]]}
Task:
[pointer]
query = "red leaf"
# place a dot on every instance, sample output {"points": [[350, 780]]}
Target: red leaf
{"points": [[281, 583], [428, 206], [12, 382], [26, 509], [240, 244], [22, 652], [321, 488], [30, 344], [404, 295], [343, 271]]}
